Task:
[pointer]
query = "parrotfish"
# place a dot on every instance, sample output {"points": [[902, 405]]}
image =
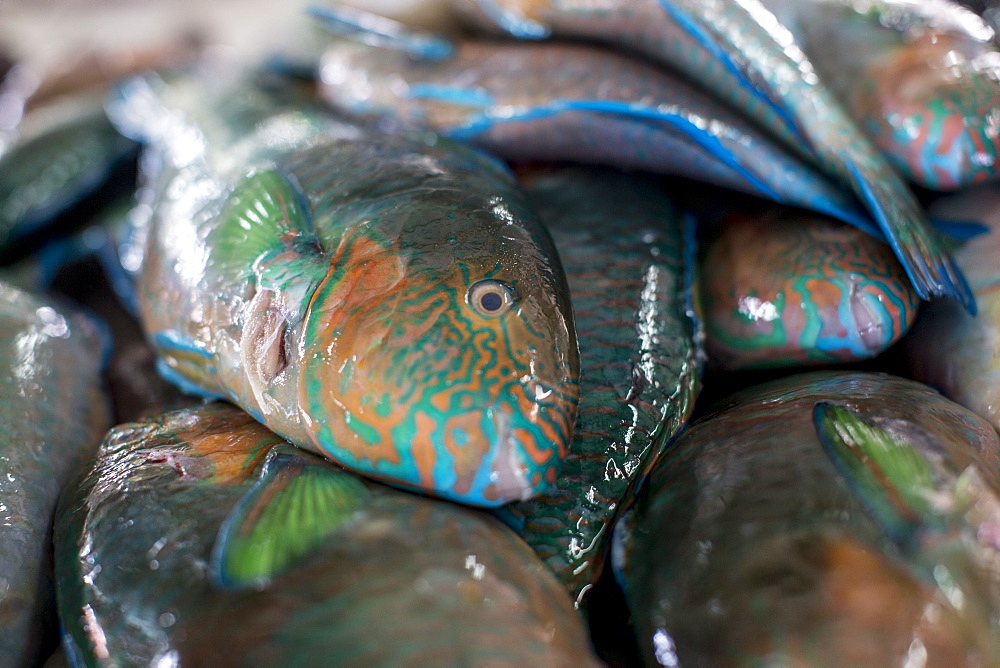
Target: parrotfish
{"points": [[53, 414], [739, 51], [201, 523], [949, 349], [784, 288], [525, 101], [830, 518], [922, 78], [387, 300], [628, 260]]}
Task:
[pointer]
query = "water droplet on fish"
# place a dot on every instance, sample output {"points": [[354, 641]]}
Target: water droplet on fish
{"points": [[154, 564], [166, 620]]}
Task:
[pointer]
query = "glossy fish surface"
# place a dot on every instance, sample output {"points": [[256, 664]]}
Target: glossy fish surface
{"points": [[557, 101], [829, 518], [53, 414], [740, 52], [948, 349], [391, 579], [799, 289], [922, 78], [624, 249], [389, 301]]}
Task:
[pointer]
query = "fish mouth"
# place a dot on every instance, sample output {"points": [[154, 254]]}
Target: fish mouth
{"points": [[529, 448]]}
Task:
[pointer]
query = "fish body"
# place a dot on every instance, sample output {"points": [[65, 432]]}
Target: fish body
{"points": [[396, 580], [527, 101], [922, 78], [627, 258], [386, 300], [740, 52], [822, 519], [53, 414], [948, 349], [799, 289]]}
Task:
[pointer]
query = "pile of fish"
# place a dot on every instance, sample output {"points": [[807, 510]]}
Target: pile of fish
{"points": [[386, 344]]}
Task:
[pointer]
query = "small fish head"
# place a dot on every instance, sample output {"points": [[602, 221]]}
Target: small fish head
{"points": [[443, 357]]}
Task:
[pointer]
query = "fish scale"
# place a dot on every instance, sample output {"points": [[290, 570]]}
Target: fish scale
{"points": [[763, 62]]}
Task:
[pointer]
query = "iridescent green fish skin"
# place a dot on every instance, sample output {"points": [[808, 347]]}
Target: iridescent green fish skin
{"points": [[582, 103], [389, 301], [53, 414], [923, 79], [738, 50], [949, 349], [799, 289], [755, 542], [403, 581], [624, 249]]}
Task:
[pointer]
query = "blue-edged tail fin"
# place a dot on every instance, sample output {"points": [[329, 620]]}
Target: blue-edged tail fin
{"points": [[296, 504], [932, 270]]}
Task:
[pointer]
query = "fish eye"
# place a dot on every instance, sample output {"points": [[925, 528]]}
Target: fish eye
{"points": [[490, 298]]}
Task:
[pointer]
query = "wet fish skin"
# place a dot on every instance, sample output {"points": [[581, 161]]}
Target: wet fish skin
{"points": [[799, 289], [53, 413], [627, 258], [582, 103], [739, 51], [405, 580], [947, 348], [322, 277], [923, 79], [750, 545]]}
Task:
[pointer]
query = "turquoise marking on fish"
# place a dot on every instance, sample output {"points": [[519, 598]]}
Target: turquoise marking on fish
{"points": [[377, 31]]}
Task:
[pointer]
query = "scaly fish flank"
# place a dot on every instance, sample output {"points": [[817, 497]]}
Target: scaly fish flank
{"points": [[388, 301]]}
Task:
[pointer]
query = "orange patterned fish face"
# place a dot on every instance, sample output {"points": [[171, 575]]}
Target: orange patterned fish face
{"points": [[443, 357]]}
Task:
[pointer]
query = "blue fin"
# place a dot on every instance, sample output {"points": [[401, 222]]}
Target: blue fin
{"points": [[960, 230], [192, 363], [691, 27], [517, 25], [932, 270], [892, 479], [380, 31], [706, 141], [298, 501]]}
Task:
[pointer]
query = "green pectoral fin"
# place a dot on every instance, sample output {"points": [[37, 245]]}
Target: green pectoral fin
{"points": [[892, 478], [265, 215], [296, 504]]}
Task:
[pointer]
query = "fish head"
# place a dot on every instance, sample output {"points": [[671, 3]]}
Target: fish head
{"points": [[441, 353]]}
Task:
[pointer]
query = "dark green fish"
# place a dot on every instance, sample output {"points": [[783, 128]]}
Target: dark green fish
{"points": [[201, 524], [387, 300], [829, 518], [627, 260], [53, 413]]}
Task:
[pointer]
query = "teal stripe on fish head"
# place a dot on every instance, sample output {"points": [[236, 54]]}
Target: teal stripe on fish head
{"points": [[439, 350]]}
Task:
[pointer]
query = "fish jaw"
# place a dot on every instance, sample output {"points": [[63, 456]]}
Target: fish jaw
{"points": [[401, 381]]}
